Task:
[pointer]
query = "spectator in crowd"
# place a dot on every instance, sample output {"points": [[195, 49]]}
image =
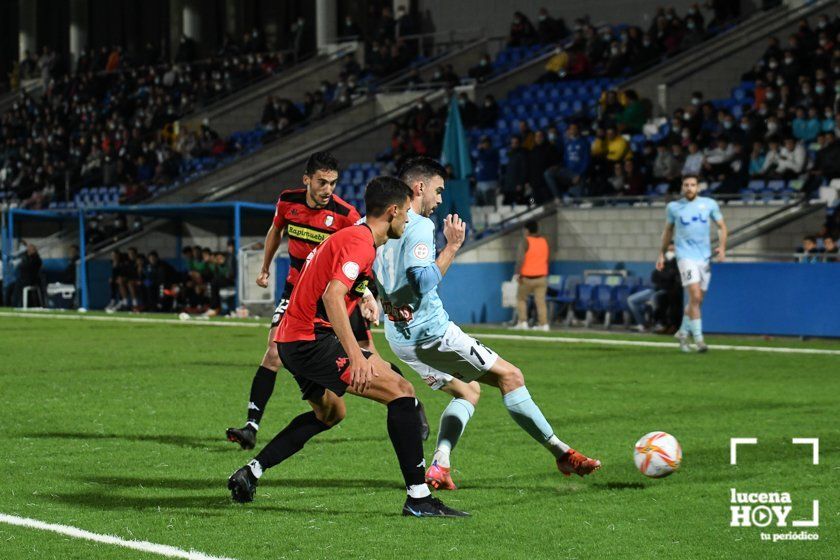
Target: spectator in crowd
{"points": [[515, 176], [830, 250], [663, 283], [809, 252], [486, 173], [572, 173], [488, 113], [542, 156], [483, 70], [632, 117], [522, 32], [693, 161], [532, 260], [28, 275], [549, 29], [666, 167]]}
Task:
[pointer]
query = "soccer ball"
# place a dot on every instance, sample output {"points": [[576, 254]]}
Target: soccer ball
{"points": [[657, 454]]}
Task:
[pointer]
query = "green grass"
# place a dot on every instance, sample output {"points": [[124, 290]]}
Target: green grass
{"points": [[118, 428]]}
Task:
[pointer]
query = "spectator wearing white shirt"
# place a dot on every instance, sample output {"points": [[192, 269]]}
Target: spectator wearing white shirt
{"points": [[694, 161]]}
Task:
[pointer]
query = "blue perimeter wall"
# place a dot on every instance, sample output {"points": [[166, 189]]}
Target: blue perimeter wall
{"points": [[744, 298]]}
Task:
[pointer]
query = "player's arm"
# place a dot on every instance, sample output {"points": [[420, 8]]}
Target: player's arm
{"points": [[667, 236], [723, 234], [423, 273], [361, 371], [272, 242], [520, 258]]}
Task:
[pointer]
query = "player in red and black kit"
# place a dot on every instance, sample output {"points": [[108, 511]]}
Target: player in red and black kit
{"points": [[316, 342], [309, 216]]}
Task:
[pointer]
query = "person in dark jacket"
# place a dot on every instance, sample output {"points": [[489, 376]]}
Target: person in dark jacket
{"points": [[540, 158], [29, 272], [516, 173], [486, 173]]}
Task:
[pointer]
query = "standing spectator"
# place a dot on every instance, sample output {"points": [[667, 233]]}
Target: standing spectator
{"points": [[516, 173], [522, 32], [533, 256], [28, 274], [483, 70], [631, 119], [549, 29], [576, 153], [488, 113], [540, 158], [349, 30], [468, 109], [486, 173]]}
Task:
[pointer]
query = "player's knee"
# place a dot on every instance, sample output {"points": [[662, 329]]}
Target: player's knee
{"points": [[404, 388], [472, 393], [511, 379], [271, 359], [332, 415]]}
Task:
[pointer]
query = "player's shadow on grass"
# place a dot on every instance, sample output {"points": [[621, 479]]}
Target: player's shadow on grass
{"points": [[218, 502], [149, 483], [619, 485], [168, 439], [211, 444]]}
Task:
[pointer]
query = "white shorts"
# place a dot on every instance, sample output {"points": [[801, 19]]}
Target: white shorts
{"points": [[456, 355], [692, 272]]}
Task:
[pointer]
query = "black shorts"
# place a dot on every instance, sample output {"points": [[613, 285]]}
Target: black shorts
{"points": [[358, 323], [317, 365]]}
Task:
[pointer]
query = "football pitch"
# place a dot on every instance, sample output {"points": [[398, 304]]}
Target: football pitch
{"points": [[117, 428]]}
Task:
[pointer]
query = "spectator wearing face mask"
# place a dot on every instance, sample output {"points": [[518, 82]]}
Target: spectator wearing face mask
{"points": [[806, 127], [488, 114], [522, 32], [483, 70]]}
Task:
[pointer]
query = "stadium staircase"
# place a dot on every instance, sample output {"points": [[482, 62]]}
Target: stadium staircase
{"points": [[719, 62]]}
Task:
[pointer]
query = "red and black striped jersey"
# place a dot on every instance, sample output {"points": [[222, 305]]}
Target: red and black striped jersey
{"points": [[308, 227]]}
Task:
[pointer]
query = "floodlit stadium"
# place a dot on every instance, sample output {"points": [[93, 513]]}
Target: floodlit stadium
{"points": [[292, 279]]}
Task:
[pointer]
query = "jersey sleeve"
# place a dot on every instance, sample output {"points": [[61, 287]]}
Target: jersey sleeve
{"points": [[279, 220], [715, 212], [420, 245], [352, 259], [671, 214]]}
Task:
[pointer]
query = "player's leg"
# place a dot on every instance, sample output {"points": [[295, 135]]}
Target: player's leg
{"points": [[509, 380], [691, 281], [262, 387], [695, 301], [327, 410], [433, 361], [404, 430], [361, 330], [453, 421]]}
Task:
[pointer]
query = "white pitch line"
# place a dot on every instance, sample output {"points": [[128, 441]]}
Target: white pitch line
{"points": [[144, 546], [491, 336], [118, 319]]}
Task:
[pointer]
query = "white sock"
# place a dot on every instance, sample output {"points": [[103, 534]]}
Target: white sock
{"points": [[253, 425], [441, 456], [556, 446], [418, 491], [256, 468]]}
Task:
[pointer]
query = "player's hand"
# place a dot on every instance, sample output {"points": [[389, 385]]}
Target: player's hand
{"points": [[361, 373], [660, 263], [454, 230], [370, 309], [721, 254], [262, 279]]}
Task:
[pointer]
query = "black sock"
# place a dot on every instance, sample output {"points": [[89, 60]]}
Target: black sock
{"points": [[291, 439], [261, 388], [404, 430]]}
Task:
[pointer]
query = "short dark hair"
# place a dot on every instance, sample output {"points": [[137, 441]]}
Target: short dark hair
{"points": [[421, 167], [321, 161], [532, 226], [381, 192], [690, 176]]}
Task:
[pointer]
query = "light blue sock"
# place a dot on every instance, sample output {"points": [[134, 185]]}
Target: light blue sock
{"points": [[685, 327], [697, 329], [452, 423], [527, 414]]}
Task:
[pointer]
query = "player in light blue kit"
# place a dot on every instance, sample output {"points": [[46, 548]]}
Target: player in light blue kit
{"points": [[688, 223], [420, 333]]}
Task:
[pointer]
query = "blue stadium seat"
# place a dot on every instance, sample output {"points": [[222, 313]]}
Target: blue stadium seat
{"points": [[777, 185], [756, 185]]}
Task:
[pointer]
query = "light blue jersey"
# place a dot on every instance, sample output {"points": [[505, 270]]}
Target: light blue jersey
{"points": [[691, 226], [411, 319]]}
